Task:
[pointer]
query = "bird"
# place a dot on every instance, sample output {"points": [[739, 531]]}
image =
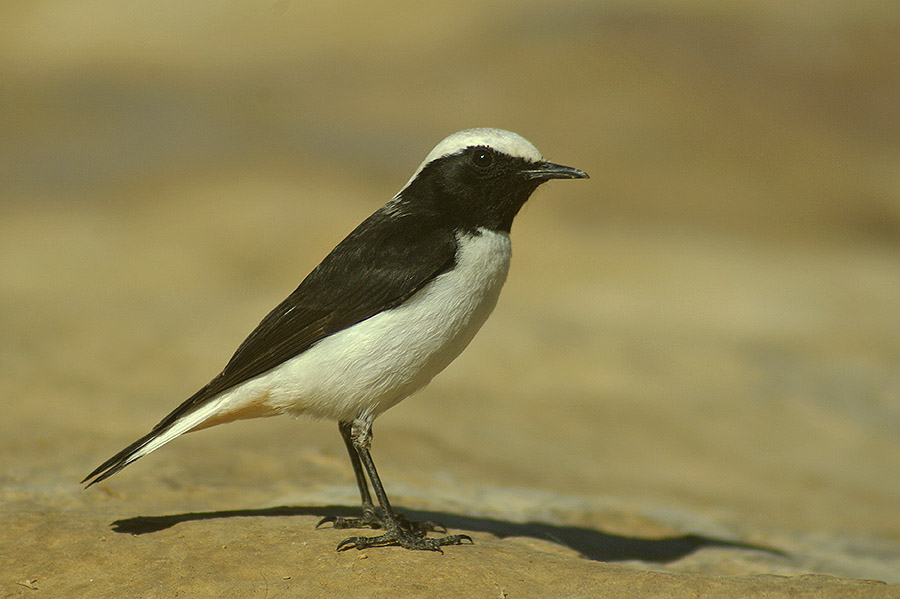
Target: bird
{"points": [[386, 310]]}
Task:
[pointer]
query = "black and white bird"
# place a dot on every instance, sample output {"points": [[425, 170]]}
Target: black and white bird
{"points": [[391, 306]]}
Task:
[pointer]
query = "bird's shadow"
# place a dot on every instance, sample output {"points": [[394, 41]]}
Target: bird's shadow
{"points": [[589, 543]]}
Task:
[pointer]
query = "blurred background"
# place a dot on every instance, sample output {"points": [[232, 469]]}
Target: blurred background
{"points": [[705, 333], [764, 120]]}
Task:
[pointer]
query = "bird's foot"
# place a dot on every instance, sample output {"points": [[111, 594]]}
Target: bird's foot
{"points": [[372, 519], [419, 528], [408, 539]]}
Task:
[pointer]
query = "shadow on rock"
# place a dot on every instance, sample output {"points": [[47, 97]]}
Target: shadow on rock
{"points": [[591, 544]]}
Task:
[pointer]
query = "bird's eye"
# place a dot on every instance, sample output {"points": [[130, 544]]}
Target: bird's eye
{"points": [[482, 157]]}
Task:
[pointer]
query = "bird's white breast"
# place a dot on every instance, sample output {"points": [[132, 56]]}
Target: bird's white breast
{"points": [[372, 365]]}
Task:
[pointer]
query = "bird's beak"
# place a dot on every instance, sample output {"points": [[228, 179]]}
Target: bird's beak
{"points": [[548, 170]]}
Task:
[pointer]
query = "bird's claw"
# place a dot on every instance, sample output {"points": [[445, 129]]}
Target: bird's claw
{"points": [[399, 531], [342, 522], [371, 519], [406, 539]]}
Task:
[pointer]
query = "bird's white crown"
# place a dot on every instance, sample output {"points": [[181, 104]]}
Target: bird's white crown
{"points": [[507, 142]]}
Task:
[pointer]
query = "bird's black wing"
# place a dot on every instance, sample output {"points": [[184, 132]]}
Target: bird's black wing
{"points": [[384, 261], [377, 267]]}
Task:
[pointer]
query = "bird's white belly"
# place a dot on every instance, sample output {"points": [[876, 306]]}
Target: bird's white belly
{"points": [[370, 366]]}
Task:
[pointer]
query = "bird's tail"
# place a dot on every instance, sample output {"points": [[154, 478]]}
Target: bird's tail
{"points": [[191, 415], [121, 459]]}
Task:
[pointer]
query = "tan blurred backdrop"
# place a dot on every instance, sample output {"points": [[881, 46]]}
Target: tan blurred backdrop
{"points": [[758, 118]]}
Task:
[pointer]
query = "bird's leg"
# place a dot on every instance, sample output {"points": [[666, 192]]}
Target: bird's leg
{"points": [[368, 508], [370, 518], [398, 530]]}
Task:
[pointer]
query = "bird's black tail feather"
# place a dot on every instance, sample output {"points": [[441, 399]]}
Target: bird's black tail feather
{"points": [[118, 461], [133, 451]]}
